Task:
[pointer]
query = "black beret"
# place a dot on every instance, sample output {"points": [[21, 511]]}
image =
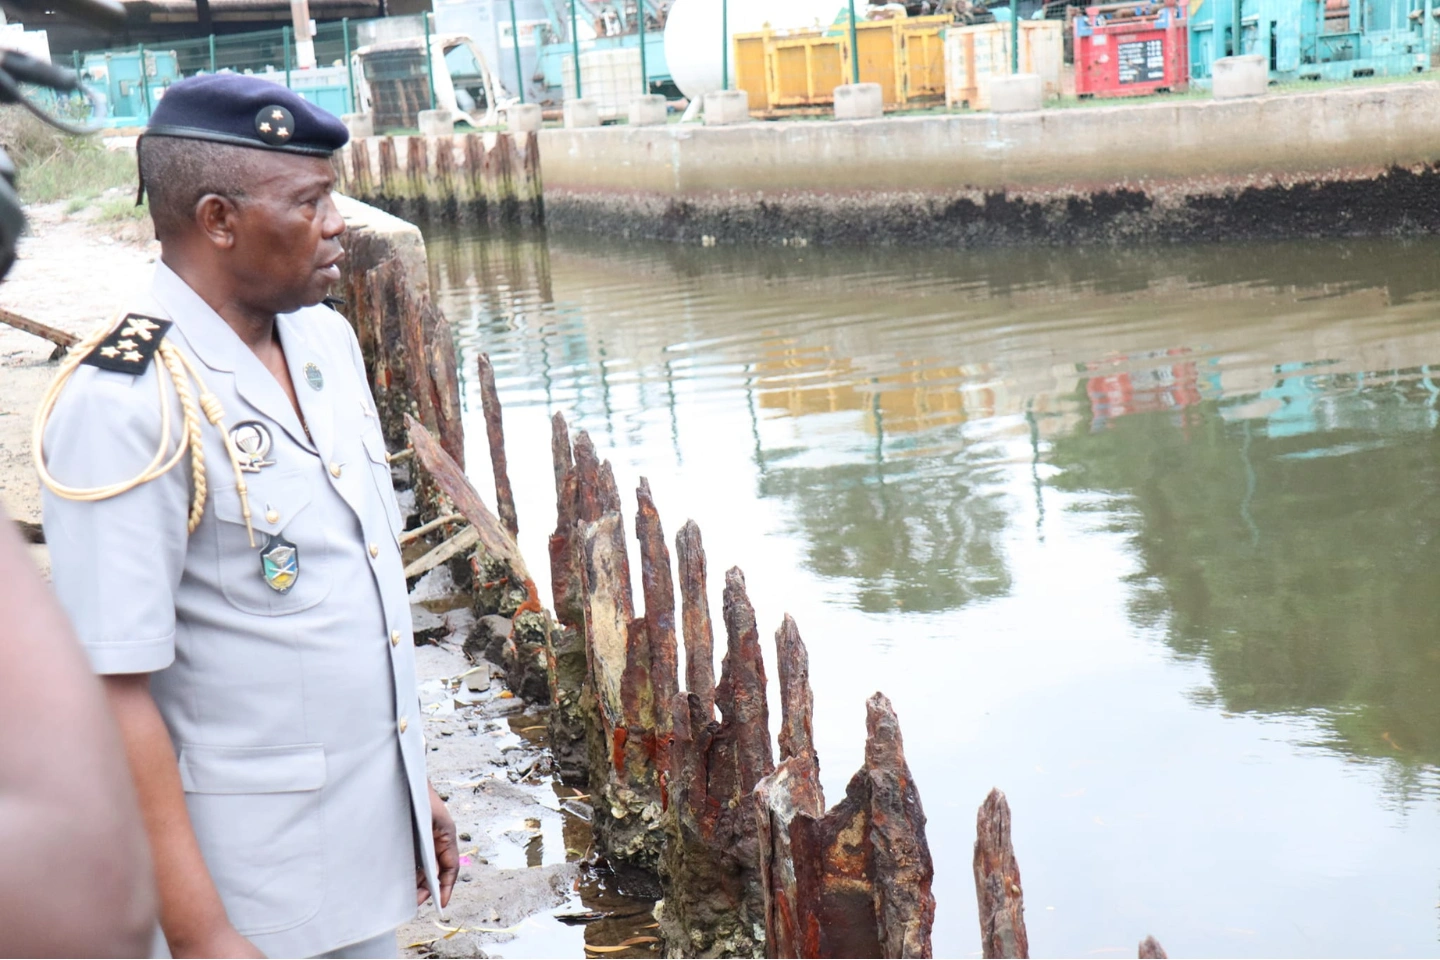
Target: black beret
{"points": [[247, 112]]}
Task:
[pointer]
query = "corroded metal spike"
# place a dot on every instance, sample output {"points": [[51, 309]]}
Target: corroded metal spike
{"points": [[658, 587], [495, 433], [695, 615], [587, 478], [741, 696], [797, 703], [904, 872], [997, 882]]}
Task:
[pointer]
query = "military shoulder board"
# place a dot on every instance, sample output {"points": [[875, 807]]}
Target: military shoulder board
{"points": [[130, 346]]}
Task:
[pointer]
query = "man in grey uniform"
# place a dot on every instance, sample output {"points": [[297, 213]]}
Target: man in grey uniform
{"points": [[258, 656]]}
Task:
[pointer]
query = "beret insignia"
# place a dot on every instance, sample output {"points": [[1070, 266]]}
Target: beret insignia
{"points": [[275, 125], [131, 346]]}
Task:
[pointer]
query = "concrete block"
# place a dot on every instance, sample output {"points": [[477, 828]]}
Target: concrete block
{"points": [[648, 111], [436, 123], [859, 101], [582, 112], [523, 117], [1247, 75], [360, 125], [724, 107], [1016, 92]]}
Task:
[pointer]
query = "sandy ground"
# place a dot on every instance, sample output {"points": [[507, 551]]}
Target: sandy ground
{"points": [[70, 273], [487, 756]]}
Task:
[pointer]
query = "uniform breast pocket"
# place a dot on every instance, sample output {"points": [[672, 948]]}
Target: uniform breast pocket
{"points": [[380, 472], [257, 815], [286, 570]]}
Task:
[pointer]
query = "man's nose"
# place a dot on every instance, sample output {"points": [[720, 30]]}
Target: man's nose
{"points": [[334, 224]]}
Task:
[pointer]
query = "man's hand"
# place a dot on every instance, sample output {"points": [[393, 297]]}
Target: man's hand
{"points": [[447, 852]]}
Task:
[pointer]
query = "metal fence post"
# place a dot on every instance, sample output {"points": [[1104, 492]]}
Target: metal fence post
{"points": [[644, 73], [854, 47], [212, 54], [1014, 36], [575, 47], [724, 44], [515, 39], [1237, 45], [429, 60], [285, 42], [144, 82], [349, 67]]}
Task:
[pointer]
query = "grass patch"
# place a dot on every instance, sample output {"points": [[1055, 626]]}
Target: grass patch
{"points": [[51, 165], [122, 209]]}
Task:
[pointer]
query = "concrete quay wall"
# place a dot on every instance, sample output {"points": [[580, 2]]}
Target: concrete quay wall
{"points": [[1357, 161]]}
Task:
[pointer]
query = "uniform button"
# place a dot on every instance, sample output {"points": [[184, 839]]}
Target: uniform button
{"points": [[374, 550], [394, 638], [272, 516], [404, 722], [335, 470]]}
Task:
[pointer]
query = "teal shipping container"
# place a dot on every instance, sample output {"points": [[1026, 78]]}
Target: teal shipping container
{"points": [[1316, 39], [125, 92]]}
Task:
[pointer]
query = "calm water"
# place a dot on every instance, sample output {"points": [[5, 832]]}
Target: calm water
{"points": [[1148, 539]]}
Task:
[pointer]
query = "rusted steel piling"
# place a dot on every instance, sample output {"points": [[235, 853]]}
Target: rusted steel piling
{"points": [[495, 434], [750, 861], [711, 874], [408, 350], [569, 663], [480, 177], [997, 882]]}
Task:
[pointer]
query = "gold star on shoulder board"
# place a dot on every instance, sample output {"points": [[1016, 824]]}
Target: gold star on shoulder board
{"points": [[121, 354], [282, 132], [138, 326], [277, 115], [265, 127]]}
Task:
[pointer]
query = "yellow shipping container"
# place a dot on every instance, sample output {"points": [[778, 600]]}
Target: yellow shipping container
{"points": [[798, 70]]}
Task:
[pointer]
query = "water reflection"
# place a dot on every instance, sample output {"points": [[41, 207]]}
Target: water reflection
{"points": [[1288, 538], [1145, 537]]}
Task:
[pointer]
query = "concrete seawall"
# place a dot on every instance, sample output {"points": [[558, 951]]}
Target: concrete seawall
{"points": [[1339, 162]]}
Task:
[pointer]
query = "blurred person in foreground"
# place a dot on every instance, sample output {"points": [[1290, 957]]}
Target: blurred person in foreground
{"points": [[74, 868], [249, 614]]}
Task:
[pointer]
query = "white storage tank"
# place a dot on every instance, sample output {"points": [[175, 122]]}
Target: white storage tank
{"points": [[693, 46]]}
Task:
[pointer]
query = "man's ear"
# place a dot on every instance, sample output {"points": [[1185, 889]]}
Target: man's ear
{"points": [[216, 215]]}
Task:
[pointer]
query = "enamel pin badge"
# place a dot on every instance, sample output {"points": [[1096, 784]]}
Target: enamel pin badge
{"points": [[252, 441], [280, 563], [314, 377]]}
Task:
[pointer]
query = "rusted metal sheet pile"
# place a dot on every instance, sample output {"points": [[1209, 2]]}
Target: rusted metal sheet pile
{"points": [[485, 177]]}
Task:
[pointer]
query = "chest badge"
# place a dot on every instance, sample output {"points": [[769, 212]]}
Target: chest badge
{"points": [[252, 441], [314, 377], [280, 563]]}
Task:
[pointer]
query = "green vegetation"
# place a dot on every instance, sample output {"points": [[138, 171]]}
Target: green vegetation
{"points": [[122, 208], [53, 166]]}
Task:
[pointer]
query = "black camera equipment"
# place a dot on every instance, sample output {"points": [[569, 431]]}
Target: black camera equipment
{"points": [[18, 68]]}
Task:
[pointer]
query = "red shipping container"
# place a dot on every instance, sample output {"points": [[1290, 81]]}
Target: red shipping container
{"points": [[1130, 50]]}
